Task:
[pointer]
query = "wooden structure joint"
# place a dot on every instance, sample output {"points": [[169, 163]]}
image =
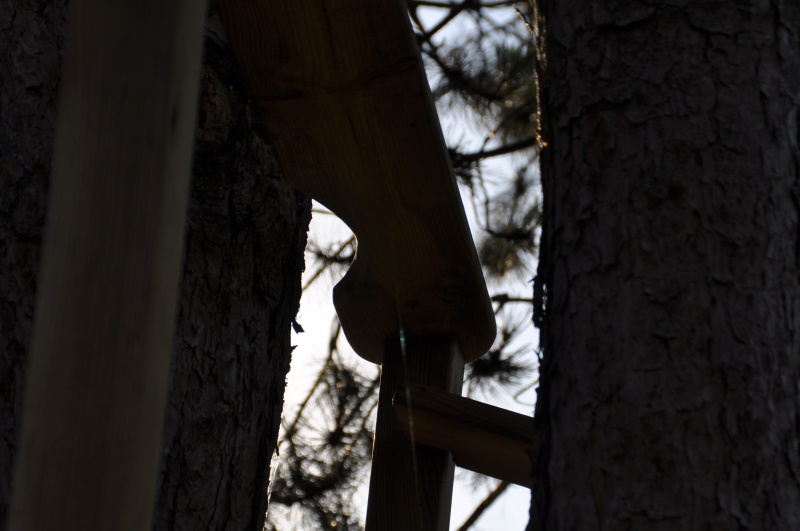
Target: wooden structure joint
{"points": [[482, 438]]}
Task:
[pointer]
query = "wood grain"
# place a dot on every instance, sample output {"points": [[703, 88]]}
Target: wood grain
{"points": [[482, 438], [411, 485], [94, 409], [341, 90]]}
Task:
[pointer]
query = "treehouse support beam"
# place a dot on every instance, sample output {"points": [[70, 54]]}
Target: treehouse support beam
{"points": [[411, 485], [340, 88]]}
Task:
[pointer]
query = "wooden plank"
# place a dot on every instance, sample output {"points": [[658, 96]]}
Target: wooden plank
{"points": [[482, 438], [93, 415], [411, 486], [341, 90]]}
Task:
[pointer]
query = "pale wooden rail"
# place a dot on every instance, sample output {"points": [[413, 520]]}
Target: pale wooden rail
{"points": [[340, 88], [108, 287]]}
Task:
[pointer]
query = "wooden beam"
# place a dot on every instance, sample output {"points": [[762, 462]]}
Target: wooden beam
{"points": [[94, 405], [482, 438], [411, 486], [341, 90]]}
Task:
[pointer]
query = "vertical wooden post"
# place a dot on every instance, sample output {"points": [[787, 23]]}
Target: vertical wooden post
{"points": [[411, 486], [107, 293]]}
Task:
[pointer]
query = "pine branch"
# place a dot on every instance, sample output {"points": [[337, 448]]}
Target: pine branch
{"points": [[496, 152], [504, 298], [320, 377], [485, 504], [327, 263], [413, 4]]}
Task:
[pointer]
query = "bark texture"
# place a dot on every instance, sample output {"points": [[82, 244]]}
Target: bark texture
{"points": [[31, 41], [240, 290], [240, 293], [670, 384]]}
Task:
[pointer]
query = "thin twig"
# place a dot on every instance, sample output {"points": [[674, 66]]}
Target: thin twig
{"points": [[502, 150], [485, 504], [326, 264]]}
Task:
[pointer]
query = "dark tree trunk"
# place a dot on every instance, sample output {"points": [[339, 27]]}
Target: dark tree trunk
{"points": [[240, 290], [31, 42], [669, 393], [240, 293]]}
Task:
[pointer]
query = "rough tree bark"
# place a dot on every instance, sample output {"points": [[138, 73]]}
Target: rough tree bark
{"points": [[670, 382], [240, 290], [240, 293], [31, 41]]}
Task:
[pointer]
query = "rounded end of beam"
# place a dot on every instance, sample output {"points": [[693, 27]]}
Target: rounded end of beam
{"points": [[371, 312]]}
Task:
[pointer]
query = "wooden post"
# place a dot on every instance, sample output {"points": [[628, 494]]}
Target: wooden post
{"points": [[91, 432], [411, 486]]}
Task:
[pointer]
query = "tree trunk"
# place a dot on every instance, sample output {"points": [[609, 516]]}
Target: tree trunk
{"points": [[669, 394], [240, 293], [240, 289], [31, 43]]}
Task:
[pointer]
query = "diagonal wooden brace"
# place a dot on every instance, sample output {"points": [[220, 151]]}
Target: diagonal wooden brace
{"points": [[482, 438]]}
